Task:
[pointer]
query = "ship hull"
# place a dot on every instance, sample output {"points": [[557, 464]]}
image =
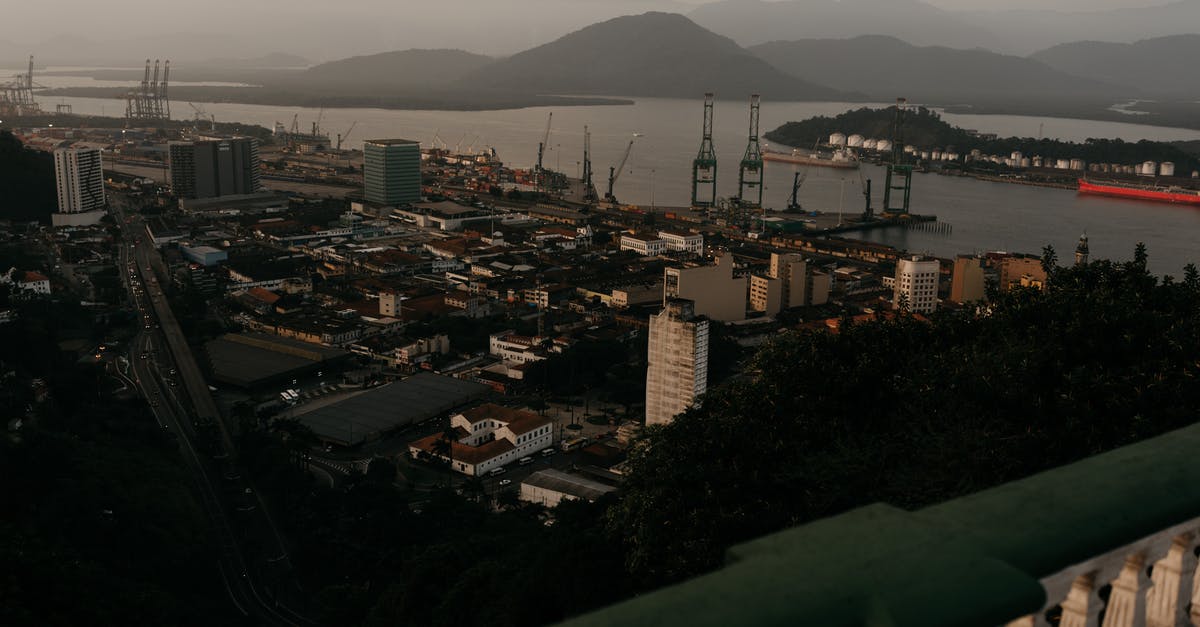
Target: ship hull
{"points": [[807, 160], [1139, 193]]}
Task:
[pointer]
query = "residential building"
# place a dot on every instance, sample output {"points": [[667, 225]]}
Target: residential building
{"points": [[212, 167], [677, 361], [967, 282], [645, 245], [717, 294], [390, 304], [30, 281], [683, 241], [487, 437], [79, 178], [392, 171], [630, 295], [790, 282], [1017, 271], [917, 284], [549, 487]]}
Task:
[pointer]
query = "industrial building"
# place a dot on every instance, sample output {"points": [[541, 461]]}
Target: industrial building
{"points": [[392, 171], [215, 167], [256, 360], [677, 361], [550, 487], [79, 177], [368, 414], [204, 255]]}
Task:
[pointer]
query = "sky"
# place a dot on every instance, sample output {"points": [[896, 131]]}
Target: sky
{"points": [[109, 31]]}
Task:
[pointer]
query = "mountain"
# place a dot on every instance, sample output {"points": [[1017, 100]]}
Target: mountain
{"points": [[653, 54], [752, 22], [402, 67], [885, 67], [272, 60], [1027, 31], [1164, 65]]}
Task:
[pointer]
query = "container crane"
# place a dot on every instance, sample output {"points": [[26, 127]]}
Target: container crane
{"points": [[343, 136], [316, 127], [542, 151], [615, 173]]}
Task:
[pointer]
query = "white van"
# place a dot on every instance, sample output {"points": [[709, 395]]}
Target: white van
{"points": [[525, 461], [496, 472]]}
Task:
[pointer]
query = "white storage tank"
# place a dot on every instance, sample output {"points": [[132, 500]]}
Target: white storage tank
{"points": [[1077, 164], [1166, 168], [855, 141], [1062, 164], [936, 155], [871, 144], [837, 139], [1037, 162], [925, 154], [1149, 168], [1016, 156], [1026, 162], [884, 145]]}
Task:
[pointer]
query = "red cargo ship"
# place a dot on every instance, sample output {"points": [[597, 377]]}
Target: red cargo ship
{"points": [[1140, 192]]}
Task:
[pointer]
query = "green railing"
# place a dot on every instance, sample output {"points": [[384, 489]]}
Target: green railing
{"points": [[1044, 545]]}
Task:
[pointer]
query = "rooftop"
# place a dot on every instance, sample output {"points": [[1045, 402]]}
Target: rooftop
{"points": [[392, 142], [574, 485]]}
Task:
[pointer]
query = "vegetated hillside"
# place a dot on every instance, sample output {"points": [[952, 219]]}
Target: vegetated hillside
{"points": [[884, 67], [752, 22], [1164, 65], [272, 60], [924, 128], [912, 413], [27, 189], [401, 67], [654, 54]]}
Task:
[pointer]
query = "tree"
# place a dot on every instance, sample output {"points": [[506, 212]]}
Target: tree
{"points": [[1049, 260]]}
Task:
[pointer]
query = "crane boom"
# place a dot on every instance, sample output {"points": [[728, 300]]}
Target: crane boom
{"points": [[343, 136], [615, 173]]}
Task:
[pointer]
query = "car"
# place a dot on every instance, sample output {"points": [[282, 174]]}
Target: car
{"points": [[504, 482]]}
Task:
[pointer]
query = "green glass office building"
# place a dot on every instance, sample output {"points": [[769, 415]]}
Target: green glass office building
{"points": [[392, 171]]}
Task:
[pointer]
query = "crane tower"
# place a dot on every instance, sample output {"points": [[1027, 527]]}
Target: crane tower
{"points": [[750, 173], [899, 174], [704, 166]]}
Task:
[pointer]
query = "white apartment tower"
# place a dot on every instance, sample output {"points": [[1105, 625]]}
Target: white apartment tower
{"points": [[80, 180], [677, 372], [917, 284]]}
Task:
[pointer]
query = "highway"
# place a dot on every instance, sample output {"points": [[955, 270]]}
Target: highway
{"points": [[252, 555]]}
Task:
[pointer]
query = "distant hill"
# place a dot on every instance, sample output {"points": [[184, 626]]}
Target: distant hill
{"points": [[402, 67], [1025, 31], [654, 54], [1164, 65], [752, 22], [273, 60], [885, 67]]}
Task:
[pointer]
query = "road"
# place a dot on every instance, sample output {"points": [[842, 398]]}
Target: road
{"points": [[252, 555]]}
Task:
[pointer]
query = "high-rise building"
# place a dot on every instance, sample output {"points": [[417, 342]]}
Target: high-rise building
{"points": [[392, 171], [677, 361], [80, 179], [210, 168], [967, 284], [714, 291], [917, 284]]}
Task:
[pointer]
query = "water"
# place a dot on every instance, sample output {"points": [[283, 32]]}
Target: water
{"points": [[985, 216]]}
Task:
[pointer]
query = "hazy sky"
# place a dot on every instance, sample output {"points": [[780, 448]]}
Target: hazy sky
{"points": [[106, 32]]}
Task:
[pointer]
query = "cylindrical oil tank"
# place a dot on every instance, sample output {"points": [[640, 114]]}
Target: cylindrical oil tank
{"points": [[1166, 168], [837, 139], [855, 141]]}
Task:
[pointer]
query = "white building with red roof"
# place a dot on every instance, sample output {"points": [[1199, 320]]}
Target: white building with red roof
{"points": [[485, 438]]}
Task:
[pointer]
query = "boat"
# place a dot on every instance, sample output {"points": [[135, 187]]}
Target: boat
{"points": [[840, 158], [1156, 193]]}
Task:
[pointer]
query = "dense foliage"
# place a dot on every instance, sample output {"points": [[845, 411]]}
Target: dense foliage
{"points": [[100, 525], [926, 129], [26, 182], [912, 413]]}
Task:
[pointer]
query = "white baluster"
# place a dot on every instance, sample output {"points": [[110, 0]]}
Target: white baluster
{"points": [[1081, 608], [1126, 604], [1166, 600]]}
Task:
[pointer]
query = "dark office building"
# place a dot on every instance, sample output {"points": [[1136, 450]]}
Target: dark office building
{"points": [[208, 168]]}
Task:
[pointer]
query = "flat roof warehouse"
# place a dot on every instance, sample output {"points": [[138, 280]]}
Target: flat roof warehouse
{"points": [[369, 414]]}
